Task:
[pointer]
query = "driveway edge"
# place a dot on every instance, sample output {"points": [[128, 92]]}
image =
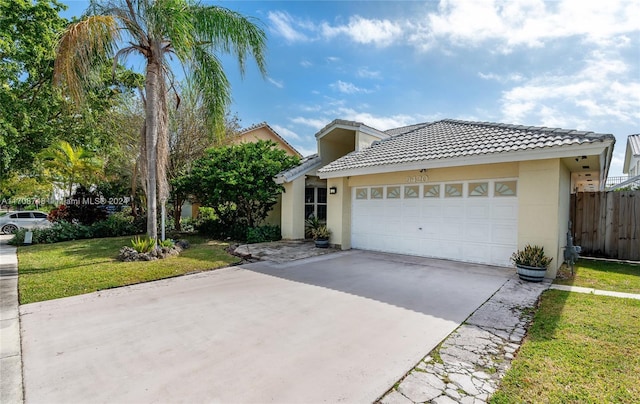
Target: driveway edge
{"points": [[11, 389]]}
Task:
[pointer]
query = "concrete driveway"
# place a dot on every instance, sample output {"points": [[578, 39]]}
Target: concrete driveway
{"points": [[337, 328]]}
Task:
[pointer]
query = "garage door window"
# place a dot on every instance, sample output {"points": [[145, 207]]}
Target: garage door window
{"points": [[506, 188], [478, 189], [393, 192], [376, 193], [453, 190], [412, 191], [432, 191], [362, 193]]}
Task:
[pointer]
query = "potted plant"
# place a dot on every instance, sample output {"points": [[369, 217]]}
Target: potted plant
{"points": [[321, 236], [531, 263], [310, 225]]}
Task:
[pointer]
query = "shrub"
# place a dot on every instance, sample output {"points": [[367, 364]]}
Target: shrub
{"points": [[531, 256], [143, 244], [262, 234]]}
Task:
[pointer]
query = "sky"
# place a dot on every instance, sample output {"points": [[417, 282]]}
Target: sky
{"points": [[572, 64]]}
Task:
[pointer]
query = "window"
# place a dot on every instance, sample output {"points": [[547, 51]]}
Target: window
{"points": [[39, 215], [376, 193], [24, 215], [432, 191], [393, 192], [478, 189], [315, 202], [411, 191], [361, 193], [453, 190], [506, 188]]}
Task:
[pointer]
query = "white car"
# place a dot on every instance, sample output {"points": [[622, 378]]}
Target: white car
{"points": [[12, 221]]}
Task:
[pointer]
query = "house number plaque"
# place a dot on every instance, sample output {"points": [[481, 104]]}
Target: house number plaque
{"points": [[414, 179]]}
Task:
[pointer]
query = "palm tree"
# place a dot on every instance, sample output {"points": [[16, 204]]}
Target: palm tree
{"points": [[160, 30], [70, 166]]}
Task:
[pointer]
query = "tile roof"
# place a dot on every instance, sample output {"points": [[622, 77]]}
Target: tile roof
{"points": [[306, 164], [634, 142], [405, 129], [449, 139]]}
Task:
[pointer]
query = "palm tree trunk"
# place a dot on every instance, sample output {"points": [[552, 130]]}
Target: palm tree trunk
{"points": [[152, 89]]}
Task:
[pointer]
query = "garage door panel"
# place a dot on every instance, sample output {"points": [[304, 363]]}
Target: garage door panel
{"points": [[480, 229]]}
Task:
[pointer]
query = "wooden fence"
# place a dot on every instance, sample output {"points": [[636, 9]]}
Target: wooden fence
{"points": [[607, 224]]}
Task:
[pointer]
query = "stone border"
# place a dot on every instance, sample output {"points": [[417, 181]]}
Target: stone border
{"points": [[469, 364]]}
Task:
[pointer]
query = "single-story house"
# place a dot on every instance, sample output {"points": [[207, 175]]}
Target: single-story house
{"points": [[631, 165], [467, 191]]}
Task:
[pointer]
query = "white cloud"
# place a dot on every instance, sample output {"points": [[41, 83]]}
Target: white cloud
{"points": [[529, 23], [316, 124], [369, 74], [513, 77], [365, 31], [305, 63], [277, 83], [603, 91], [377, 122], [284, 25], [285, 132], [348, 88], [306, 151]]}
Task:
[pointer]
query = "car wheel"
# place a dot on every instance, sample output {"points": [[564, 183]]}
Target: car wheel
{"points": [[9, 229]]}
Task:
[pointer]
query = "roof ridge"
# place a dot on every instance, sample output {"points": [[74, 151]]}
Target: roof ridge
{"points": [[573, 132]]}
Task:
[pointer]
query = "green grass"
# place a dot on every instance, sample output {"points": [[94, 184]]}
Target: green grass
{"points": [[51, 271], [602, 275], [581, 348]]}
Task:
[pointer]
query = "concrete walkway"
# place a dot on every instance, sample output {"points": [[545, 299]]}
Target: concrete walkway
{"points": [[10, 352]]}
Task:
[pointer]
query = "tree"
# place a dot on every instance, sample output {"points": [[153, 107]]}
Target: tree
{"points": [[159, 30], [237, 181], [70, 166], [28, 103]]}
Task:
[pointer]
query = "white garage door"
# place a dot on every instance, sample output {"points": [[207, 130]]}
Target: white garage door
{"points": [[472, 221]]}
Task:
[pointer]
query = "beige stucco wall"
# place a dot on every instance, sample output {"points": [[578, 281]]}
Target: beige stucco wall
{"points": [[339, 213], [264, 134], [292, 211], [364, 140], [543, 211]]}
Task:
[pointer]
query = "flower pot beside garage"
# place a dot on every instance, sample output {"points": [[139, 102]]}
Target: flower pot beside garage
{"points": [[531, 263], [531, 274]]}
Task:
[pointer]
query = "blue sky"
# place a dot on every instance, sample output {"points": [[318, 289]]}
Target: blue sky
{"points": [[573, 64]]}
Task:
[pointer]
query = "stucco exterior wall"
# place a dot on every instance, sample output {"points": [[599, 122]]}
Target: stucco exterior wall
{"points": [[292, 212], [263, 134], [275, 214], [364, 140], [339, 213], [540, 212], [564, 206]]}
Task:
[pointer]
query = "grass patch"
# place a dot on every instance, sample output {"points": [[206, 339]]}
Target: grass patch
{"points": [[581, 348], [51, 271], [602, 275]]}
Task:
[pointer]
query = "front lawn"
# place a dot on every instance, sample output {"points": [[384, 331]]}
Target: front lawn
{"points": [[50, 271], [581, 348], [602, 275]]}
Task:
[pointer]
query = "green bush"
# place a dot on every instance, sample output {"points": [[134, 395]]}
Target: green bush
{"points": [[264, 233], [143, 244], [118, 224]]}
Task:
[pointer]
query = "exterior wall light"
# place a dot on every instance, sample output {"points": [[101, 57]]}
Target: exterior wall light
{"points": [[333, 190]]}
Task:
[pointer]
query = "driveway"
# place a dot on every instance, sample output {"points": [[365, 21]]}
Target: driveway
{"points": [[339, 327]]}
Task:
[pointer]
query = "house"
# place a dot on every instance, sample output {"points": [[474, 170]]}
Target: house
{"points": [[467, 191], [631, 165], [263, 131]]}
